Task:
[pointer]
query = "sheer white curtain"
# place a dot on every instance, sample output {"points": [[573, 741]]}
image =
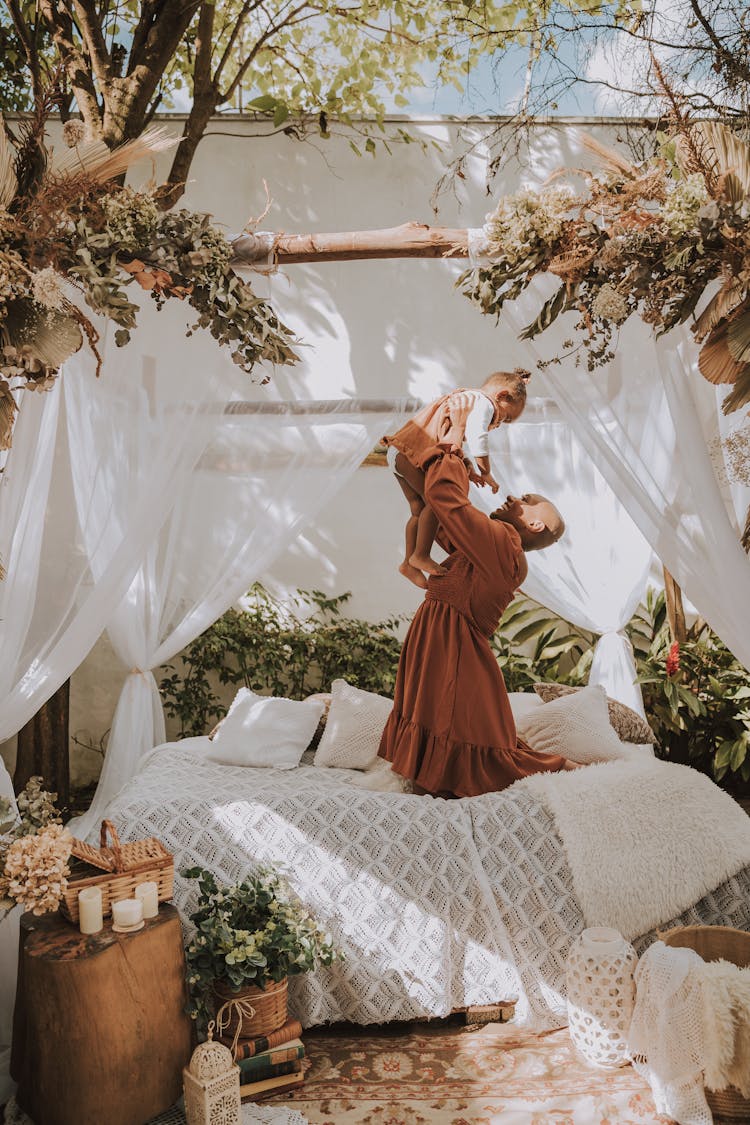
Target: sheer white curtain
{"points": [[644, 421], [596, 575], [264, 470]]}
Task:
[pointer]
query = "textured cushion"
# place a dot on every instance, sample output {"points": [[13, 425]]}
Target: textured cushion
{"points": [[262, 730], [352, 732], [576, 726], [522, 704], [629, 725]]}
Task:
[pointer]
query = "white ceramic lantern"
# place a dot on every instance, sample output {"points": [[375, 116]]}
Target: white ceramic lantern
{"points": [[211, 1084], [601, 995]]}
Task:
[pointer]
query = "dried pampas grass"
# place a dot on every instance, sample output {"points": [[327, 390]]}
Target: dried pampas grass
{"points": [[98, 163]]}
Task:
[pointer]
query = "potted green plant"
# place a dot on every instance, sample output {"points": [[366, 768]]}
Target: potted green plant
{"points": [[249, 939]]}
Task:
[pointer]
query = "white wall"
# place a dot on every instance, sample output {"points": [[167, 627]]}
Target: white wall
{"points": [[371, 329]]}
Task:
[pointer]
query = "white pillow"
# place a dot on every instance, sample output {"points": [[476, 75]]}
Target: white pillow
{"points": [[353, 728], [576, 726], [523, 704], [262, 730]]}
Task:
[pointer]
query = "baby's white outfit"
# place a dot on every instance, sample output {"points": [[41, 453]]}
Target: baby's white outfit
{"points": [[476, 436]]}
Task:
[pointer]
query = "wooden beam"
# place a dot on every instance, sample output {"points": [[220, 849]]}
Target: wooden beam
{"points": [[410, 240]]}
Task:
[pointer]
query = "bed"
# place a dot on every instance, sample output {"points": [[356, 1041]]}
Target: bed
{"points": [[439, 905]]}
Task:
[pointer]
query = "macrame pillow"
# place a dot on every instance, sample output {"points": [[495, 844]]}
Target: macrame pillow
{"points": [[262, 730], [352, 732], [523, 704], [576, 726], [628, 724]]}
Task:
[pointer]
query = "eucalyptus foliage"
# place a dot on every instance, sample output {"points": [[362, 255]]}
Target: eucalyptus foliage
{"points": [[252, 933]]}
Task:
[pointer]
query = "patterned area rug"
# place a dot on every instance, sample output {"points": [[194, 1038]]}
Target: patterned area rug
{"points": [[448, 1074]]}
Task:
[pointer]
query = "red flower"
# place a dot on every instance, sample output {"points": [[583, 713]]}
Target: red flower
{"points": [[673, 660]]}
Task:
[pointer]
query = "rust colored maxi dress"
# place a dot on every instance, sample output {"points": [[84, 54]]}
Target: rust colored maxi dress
{"points": [[451, 729]]}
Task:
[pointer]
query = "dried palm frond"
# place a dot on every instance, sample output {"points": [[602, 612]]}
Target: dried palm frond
{"points": [[715, 360], [103, 164], [728, 152], [738, 337], [740, 394], [693, 155], [8, 181], [729, 297], [51, 336], [611, 159]]}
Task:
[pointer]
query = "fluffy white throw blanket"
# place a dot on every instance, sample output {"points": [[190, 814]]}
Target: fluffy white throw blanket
{"points": [[690, 1030], [644, 839]]}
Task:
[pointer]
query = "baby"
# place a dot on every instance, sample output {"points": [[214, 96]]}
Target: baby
{"points": [[501, 398]]}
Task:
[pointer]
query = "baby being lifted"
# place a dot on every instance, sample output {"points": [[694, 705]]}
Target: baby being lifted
{"points": [[501, 398]]}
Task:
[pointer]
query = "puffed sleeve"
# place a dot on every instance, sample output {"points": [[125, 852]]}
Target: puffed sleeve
{"points": [[490, 545]]}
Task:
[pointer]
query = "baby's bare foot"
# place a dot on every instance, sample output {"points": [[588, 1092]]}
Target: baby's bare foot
{"points": [[413, 575], [425, 563]]}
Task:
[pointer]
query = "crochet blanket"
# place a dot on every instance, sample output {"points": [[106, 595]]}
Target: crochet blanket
{"points": [[644, 838], [436, 904]]}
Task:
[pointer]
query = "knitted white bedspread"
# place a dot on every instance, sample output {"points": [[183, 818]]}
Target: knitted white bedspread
{"points": [[436, 904]]}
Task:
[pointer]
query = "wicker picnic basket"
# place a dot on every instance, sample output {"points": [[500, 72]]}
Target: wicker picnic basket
{"points": [[117, 870], [717, 943]]}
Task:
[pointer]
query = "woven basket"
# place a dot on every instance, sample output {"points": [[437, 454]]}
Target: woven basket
{"points": [[121, 868], [250, 1012], [717, 943]]}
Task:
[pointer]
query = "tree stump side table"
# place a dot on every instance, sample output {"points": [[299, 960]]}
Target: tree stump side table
{"points": [[100, 1029]]}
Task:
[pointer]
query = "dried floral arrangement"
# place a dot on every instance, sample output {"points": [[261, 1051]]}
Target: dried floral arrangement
{"points": [[34, 851], [67, 221], [645, 239]]}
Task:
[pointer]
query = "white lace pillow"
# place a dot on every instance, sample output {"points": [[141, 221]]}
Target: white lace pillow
{"points": [[353, 728], [262, 730], [576, 726]]}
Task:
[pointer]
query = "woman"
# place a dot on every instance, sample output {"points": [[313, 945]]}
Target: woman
{"points": [[451, 729]]}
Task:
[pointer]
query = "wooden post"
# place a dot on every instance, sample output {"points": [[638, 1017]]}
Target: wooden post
{"points": [[43, 747], [675, 610]]}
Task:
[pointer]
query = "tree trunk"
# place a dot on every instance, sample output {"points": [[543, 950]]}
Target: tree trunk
{"points": [[675, 610], [201, 112], [43, 747]]}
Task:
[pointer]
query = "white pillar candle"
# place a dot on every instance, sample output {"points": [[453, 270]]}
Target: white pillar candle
{"points": [[127, 912], [90, 918], [148, 893]]}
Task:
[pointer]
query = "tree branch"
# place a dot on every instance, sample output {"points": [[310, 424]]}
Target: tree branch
{"points": [[29, 47], [61, 26], [248, 7], [91, 33]]}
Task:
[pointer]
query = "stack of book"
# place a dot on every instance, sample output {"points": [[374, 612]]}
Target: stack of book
{"points": [[270, 1064]]}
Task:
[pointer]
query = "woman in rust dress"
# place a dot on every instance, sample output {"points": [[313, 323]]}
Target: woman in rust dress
{"points": [[451, 730]]}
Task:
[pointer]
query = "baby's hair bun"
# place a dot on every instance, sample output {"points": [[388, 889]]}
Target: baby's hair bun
{"points": [[522, 373]]}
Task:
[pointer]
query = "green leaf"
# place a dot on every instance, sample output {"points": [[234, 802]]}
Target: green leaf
{"points": [[280, 113]]}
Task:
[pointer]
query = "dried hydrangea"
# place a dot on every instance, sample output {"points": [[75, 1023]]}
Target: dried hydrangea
{"points": [[36, 868], [527, 223], [684, 200], [36, 806], [608, 304], [74, 132], [132, 218], [46, 288], [736, 448], [13, 275]]}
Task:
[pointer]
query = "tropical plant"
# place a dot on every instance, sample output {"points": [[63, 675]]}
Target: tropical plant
{"points": [[696, 695], [271, 649], [534, 645], [252, 933]]}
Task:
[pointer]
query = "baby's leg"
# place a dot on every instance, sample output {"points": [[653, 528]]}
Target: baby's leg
{"points": [[416, 506], [426, 531]]}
